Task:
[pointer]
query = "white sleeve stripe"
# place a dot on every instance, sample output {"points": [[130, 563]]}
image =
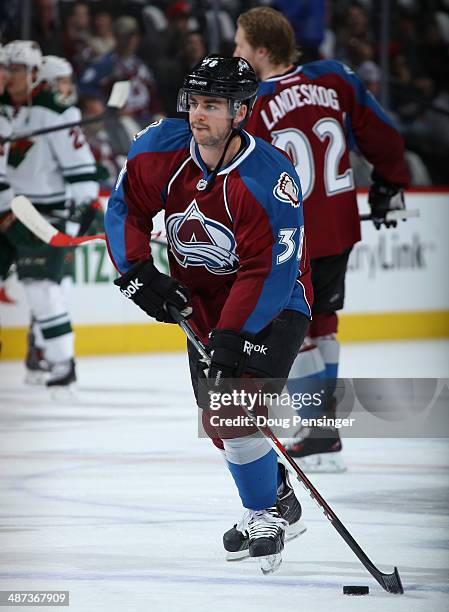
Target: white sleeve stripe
{"points": [[65, 168], [85, 170]]}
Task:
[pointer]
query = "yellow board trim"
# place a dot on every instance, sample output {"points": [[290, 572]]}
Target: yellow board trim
{"points": [[393, 326], [143, 338]]}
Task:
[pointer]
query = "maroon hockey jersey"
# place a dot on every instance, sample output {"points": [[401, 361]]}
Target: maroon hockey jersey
{"points": [[317, 113]]}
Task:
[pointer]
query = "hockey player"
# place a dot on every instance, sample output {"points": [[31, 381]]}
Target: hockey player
{"points": [[57, 72], [6, 193], [233, 218], [41, 169], [315, 112]]}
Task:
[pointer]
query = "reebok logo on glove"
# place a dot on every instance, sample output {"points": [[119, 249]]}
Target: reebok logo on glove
{"points": [[131, 289], [249, 347]]}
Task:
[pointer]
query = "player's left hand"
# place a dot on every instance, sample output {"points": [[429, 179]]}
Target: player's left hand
{"points": [[384, 197], [229, 352]]}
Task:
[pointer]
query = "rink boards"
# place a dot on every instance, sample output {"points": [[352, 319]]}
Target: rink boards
{"points": [[397, 288]]}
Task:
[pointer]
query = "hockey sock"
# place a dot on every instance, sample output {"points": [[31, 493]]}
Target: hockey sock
{"points": [[39, 340], [49, 309], [329, 348], [254, 468], [308, 374]]}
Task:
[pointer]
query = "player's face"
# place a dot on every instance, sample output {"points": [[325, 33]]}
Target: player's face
{"points": [[17, 83], [64, 86], [244, 49], [209, 120], [3, 78]]}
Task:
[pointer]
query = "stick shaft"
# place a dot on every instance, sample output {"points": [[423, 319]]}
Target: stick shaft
{"points": [[65, 126], [393, 215], [28, 214], [389, 582]]}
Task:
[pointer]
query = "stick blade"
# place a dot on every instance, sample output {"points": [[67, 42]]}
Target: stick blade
{"points": [[32, 219], [119, 94], [63, 240], [391, 582]]}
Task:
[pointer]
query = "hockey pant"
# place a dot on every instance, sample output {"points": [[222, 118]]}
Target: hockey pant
{"points": [[250, 459]]}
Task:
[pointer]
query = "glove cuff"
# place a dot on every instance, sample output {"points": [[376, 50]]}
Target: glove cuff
{"points": [[230, 340], [382, 187], [139, 275]]}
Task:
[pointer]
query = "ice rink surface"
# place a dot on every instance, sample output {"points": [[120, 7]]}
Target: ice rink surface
{"points": [[113, 497]]}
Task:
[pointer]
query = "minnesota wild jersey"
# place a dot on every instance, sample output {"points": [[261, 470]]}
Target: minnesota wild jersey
{"points": [[51, 168], [6, 193]]}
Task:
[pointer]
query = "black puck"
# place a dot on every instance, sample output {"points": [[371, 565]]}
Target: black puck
{"points": [[355, 590]]}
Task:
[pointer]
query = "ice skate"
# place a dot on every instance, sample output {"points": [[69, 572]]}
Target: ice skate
{"points": [[318, 450], [236, 540], [62, 379], [266, 530], [37, 368]]}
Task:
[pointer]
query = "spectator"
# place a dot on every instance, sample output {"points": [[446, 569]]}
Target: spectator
{"points": [[434, 54], [355, 37], [45, 28], [103, 40], [308, 22], [77, 35], [170, 71], [120, 65], [101, 137], [178, 14]]}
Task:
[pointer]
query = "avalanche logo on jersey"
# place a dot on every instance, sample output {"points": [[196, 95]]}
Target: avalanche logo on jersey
{"points": [[196, 240], [286, 190]]}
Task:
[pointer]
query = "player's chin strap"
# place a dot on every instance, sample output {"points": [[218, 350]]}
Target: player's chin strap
{"points": [[216, 170]]}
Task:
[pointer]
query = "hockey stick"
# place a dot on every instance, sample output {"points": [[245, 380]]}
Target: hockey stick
{"points": [[28, 214], [390, 582], [117, 100], [394, 215]]}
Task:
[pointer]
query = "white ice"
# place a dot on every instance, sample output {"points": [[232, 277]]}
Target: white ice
{"points": [[113, 497]]}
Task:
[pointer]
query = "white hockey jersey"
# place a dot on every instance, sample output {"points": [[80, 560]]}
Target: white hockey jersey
{"points": [[6, 193], [51, 168]]}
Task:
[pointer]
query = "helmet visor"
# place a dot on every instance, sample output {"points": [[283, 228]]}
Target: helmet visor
{"points": [[210, 105]]}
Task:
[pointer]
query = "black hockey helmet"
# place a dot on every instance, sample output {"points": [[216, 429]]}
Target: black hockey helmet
{"points": [[231, 78]]}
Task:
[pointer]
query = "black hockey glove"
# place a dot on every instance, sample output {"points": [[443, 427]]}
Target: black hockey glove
{"points": [[229, 353], [151, 290], [384, 197]]}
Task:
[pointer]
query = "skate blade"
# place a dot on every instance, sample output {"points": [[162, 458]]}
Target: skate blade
{"points": [[237, 556], [271, 563], [36, 378], [325, 463], [295, 530], [291, 532], [65, 393]]}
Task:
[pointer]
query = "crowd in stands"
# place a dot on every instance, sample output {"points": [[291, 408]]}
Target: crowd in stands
{"points": [[154, 43]]}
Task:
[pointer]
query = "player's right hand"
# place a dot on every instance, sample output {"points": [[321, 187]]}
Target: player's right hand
{"points": [[229, 353], [384, 197], [151, 290]]}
